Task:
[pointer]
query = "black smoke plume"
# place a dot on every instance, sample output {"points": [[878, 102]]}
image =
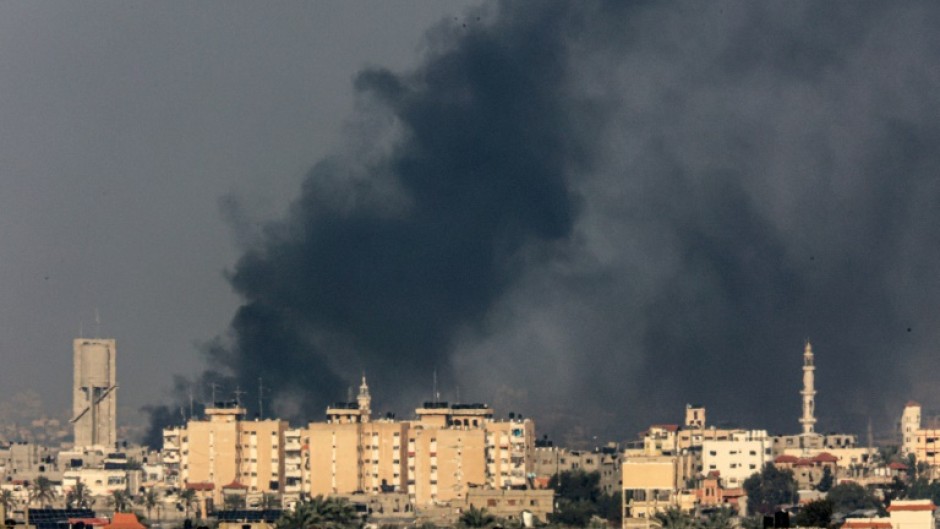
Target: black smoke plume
{"points": [[596, 213]]}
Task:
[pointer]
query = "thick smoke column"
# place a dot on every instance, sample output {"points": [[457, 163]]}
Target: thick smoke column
{"points": [[596, 213], [393, 248]]}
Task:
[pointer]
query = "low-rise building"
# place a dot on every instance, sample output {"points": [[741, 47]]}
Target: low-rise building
{"points": [[738, 457]]}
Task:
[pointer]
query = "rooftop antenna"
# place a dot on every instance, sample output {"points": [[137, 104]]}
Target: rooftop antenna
{"points": [[214, 386], [260, 398], [238, 396], [436, 397], [97, 324]]}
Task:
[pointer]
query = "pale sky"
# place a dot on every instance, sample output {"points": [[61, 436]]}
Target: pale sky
{"points": [[123, 128]]}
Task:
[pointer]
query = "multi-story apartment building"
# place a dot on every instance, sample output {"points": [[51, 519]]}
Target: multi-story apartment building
{"points": [[920, 440], [350, 453], [434, 458], [225, 451], [454, 447]]}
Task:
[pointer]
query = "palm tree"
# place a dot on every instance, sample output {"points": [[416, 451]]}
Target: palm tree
{"points": [[474, 517], [7, 501], [720, 519], [233, 502], [120, 500], [675, 518], [187, 498], [150, 499], [268, 501], [42, 491], [79, 497], [321, 513]]}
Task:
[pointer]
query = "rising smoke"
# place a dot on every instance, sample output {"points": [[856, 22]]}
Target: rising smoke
{"points": [[597, 213]]}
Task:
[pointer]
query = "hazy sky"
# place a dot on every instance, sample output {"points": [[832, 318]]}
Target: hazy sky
{"points": [[592, 213], [124, 126]]}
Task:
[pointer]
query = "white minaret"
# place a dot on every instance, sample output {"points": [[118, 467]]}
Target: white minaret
{"points": [[365, 401], [809, 391]]}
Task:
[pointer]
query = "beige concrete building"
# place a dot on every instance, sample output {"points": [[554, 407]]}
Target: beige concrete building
{"points": [[454, 447], [435, 458], [652, 484], [551, 460], [910, 425], [94, 392], [352, 454], [225, 450], [902, 514], [923, 442]]}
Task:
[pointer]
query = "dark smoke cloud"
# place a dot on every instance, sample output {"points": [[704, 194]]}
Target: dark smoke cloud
{"points": [[597, 213]]}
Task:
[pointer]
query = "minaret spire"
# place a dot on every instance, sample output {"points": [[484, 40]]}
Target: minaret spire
{"points": [[809, 391], [365, 400]]}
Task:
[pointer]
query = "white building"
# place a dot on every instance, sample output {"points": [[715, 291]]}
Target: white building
{"points": [[737, 458]]}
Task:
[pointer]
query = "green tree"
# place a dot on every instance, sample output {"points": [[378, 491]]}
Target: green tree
{"points": [[674, 518], [576, 485], [848, 497], [610, 507], [890, 454], [321, 513], [474, 517], [233, 502], [79, 497], [187, 499], [7, 501], [268, 501], [150, 499], [120, 500], [825, 482], [575, 513], [769, 489], [42, 491], [580, 498], [922, 489], [721, 519], [896, 489], [815, 514]]}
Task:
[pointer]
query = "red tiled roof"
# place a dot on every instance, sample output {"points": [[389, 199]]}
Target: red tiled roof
{"points": [[826, 457], [667, 427], [916, 507], [786, 459], [898, 466], [234, 485], [202, 485], [912, 403], [125, 520]]}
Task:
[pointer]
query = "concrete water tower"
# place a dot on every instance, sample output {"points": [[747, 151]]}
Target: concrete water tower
{"points": [[94, 394]]}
